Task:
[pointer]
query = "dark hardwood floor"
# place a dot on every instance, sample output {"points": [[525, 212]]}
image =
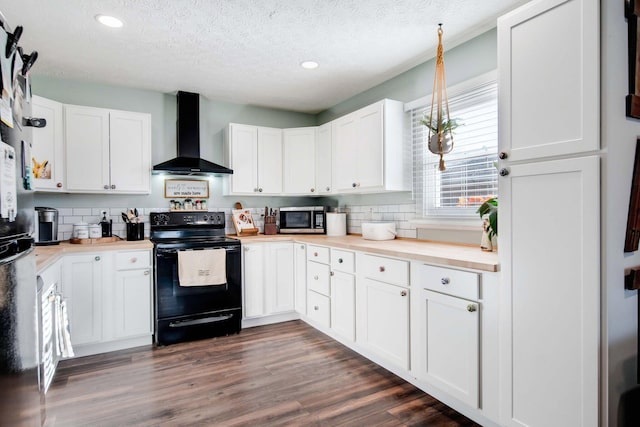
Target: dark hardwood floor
{"points": [[284, 374]]}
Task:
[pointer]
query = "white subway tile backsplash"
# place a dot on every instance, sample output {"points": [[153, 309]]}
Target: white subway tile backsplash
{"points": [[82, 211], [71, 219], [64, 212]]}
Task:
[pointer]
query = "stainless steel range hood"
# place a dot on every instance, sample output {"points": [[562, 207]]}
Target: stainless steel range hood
{"points": [[189, 161]]}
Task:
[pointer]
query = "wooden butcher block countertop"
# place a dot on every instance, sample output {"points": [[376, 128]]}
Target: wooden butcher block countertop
{"points": [[446, 254], [47, 255]]}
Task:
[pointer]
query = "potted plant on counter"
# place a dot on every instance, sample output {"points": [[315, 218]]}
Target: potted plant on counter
{"points": [[488, 211]]}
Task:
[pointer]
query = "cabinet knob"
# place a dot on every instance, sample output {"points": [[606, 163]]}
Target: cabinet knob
{"points": [[313, 190], [147, 272], [340, 261], [403, 293], [327, 189], [315, 277], [246, 249], [255, 190], [502, 155], [445, 280], [106, 187], [504, 172], [59, 185], [331, 273], [260, 190], [97, 258], [382, 269], [471, 308], [315, 307], [315, 254], [133, 260], [113, 186], [354, 185], [301, 246]]}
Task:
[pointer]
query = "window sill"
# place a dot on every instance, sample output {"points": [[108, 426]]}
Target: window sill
{"points": [[461, 224]]}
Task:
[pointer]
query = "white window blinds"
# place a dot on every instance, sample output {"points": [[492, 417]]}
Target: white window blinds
{"points": [[471, 176]]}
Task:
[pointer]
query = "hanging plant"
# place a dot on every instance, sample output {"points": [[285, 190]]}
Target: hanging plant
{"points": [[441, 126]]}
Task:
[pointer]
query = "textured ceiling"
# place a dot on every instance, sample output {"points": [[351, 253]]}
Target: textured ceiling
{"points": [[245, 51]]}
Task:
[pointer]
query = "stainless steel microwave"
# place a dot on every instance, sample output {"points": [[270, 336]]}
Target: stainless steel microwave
{"points": [[303, 220]]}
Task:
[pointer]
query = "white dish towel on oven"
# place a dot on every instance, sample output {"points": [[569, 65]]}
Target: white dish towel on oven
{"points": [[203, 267]]}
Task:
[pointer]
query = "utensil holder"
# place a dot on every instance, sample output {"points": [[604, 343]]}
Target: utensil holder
{"points": [[135, 231]]}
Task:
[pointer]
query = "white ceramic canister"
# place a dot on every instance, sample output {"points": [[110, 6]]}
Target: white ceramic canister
{"points": [[336, 224], [81, 230], [95, 231]]}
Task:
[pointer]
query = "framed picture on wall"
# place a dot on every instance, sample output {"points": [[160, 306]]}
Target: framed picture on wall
{"points": [[186, 188]]}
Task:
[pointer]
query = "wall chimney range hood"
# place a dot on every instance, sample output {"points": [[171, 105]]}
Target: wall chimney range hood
{"points": [[189, 161]]}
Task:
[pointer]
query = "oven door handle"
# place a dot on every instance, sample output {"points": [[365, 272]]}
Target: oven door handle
{"points": [[161, 251], [205, 320]]}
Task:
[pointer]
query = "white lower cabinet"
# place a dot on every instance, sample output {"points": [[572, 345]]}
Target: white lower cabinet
{"points": [[449, 345], [268, 278], [132, 308], [83, 280], [384, 321], [318, 309], [300, 265], [109, 303], [343, 304]]}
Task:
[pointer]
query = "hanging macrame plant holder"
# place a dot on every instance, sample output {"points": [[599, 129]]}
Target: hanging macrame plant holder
{"points": [[440, 140]]}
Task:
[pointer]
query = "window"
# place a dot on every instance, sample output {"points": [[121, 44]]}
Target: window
{"points": [[471, 176]]}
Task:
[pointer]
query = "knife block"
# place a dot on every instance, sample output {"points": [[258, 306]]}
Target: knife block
{"points": [[270, 226]]}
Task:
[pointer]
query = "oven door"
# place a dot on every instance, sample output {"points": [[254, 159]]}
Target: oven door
{"points": [[173, 300]]}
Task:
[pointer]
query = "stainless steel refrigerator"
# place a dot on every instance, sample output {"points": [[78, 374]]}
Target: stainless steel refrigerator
{"points": [[20, 396]]}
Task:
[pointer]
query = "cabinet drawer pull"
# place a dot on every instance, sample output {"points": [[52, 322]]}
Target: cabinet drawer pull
{"points": [[134, 260], [315, 307], [313, 189], [315, 277], [328, 189], [471, 308], [106, 187], [97, 258], [113, 186], [504, 172], [403, 293], [59, 185], [147, 272], [445, 280], [382, 269], [259, 190], [315, 254], [354, 185], [332, 273], [502, 155], [301, 246], [340, 261]]}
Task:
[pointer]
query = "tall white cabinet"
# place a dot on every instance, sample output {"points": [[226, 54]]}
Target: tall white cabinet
{"points": [[549, 213]]}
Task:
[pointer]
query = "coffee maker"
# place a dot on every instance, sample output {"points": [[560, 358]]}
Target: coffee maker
{"points": [[46, 226]]}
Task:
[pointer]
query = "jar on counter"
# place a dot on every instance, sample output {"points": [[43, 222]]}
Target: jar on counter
{"points": [[188, 205], [81, 230], [172, 205], [95, 231], [198, 205], [203, 205]]}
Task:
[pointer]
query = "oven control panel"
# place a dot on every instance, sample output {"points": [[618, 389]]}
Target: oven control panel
{"points": [[187, 218]]}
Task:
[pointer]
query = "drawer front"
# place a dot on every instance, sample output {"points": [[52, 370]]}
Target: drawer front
{"points": [[318, 254], [343, 261], [132, 260], [318, 278], [319, 308], [463, 284], [388, 270]]}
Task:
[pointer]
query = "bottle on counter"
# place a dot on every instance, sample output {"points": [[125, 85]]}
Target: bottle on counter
{"points": [[106, 225]]}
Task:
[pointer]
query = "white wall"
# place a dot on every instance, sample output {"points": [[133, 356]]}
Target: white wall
{"points": [[619, 142]]}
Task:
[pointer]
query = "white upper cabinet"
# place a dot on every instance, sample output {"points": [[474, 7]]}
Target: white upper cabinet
{"points": [[107, 150], [299, 148], [548, 59], [323, 159], [369, 151], [47, 152], [255, 155], [130, 152]]}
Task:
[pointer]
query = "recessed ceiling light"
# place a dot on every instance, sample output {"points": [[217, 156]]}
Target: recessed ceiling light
{"points": [[309, 65], [109, 21]]}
